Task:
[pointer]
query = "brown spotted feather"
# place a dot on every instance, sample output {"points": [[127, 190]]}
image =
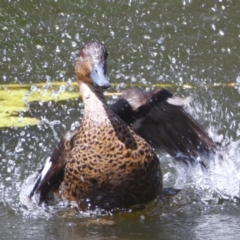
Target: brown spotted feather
{"points": [[109, 162], [103, 163]]}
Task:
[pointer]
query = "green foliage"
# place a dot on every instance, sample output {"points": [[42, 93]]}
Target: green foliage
{"points": [[15, 99]]}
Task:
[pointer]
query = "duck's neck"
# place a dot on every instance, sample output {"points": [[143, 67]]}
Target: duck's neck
{"points": [[91, 93], [94, 103], [98, 118]]}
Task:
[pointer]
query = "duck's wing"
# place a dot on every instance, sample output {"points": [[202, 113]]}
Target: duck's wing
{"points": [[50, 176], [160, 119]]}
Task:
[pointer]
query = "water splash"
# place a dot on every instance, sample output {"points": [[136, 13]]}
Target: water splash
{"points": [[219, 181]]}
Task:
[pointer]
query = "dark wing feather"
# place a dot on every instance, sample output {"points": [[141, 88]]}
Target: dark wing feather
{"points": [[51, 175], [160, 119]]}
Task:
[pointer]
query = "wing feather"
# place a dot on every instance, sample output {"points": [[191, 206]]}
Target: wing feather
{"points": [[161, 120]]}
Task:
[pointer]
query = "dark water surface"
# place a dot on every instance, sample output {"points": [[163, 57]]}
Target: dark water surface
{"points": [[149, 42]]}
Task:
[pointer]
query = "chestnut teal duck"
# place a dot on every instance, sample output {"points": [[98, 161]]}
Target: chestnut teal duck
{"points": [[109, 162]]}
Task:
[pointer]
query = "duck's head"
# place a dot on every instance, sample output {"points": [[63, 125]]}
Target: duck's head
{"points": [[91, 65]]}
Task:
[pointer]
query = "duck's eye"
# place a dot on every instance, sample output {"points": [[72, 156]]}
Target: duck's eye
{"points": [[82, 54]]}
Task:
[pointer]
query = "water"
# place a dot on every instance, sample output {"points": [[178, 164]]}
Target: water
{"points": [[149, 42]]}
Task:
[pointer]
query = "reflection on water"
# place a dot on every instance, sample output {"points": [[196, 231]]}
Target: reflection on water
{"points": [[150, 42]]}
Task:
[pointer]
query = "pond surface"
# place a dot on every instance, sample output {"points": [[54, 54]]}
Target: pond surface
{"points": [[193, 42]]}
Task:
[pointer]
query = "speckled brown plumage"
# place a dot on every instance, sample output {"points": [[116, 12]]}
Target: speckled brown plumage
{"points": [[111, 165], [104, 163]]}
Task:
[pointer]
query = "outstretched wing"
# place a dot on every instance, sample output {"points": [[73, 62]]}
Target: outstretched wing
{"points": [[160, 119]]}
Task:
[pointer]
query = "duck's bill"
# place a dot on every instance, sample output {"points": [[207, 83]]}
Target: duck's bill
{"points": [[98, 77]]}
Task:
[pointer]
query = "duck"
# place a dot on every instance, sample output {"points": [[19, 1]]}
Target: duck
{"points": [[110, 162]]}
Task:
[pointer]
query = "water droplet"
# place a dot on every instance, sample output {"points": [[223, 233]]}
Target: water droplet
{"points": [[45, 64], [238, 79], [213, 27], [173, 60], [74, 44], [112, 33], [146, 36], [18, 148], [33, 88], [160, 40], [39, 47], [154, 54], [62, 89], [75, 125], [221, 32], [57, 49], [77, 36], [163, 48]]}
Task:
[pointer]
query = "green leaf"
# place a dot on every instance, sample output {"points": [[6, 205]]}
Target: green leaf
{"points": [[9, 120], [15, 98]]}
